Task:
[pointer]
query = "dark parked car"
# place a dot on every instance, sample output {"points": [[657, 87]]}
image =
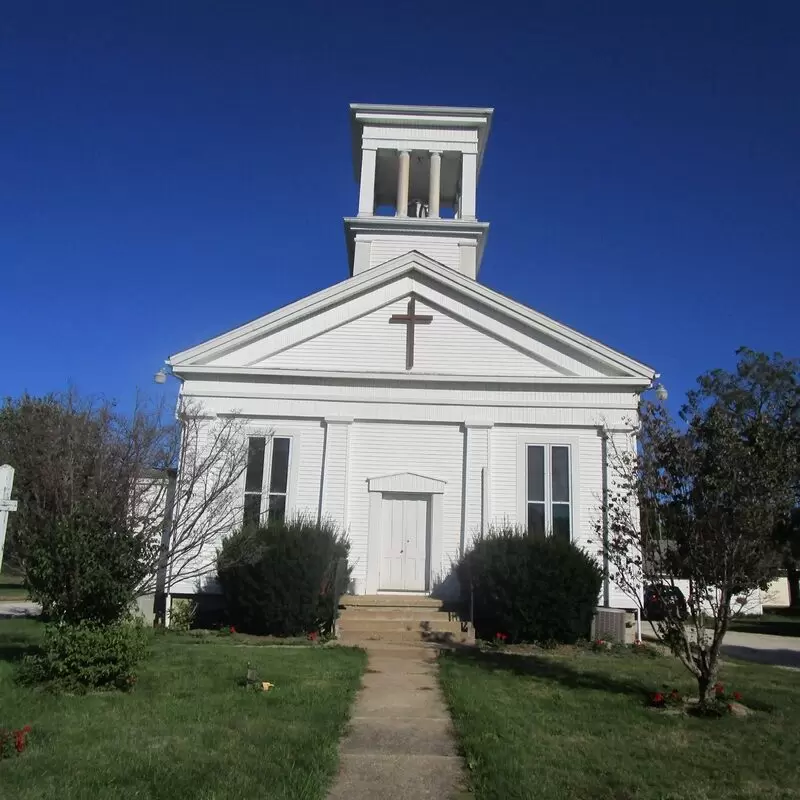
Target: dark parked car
{"points": [[661, 597]]}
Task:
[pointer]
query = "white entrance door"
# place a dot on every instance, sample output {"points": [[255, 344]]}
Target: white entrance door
{"points": [[405, 523]]}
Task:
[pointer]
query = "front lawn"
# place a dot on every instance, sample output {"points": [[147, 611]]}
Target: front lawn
{"points": [[573, 724], [11, 587], [188, 729]]}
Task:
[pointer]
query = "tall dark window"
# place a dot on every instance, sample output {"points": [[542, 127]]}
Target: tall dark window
{"points": [[536, 502], [278, 478], [266, 481], [548, 499]]}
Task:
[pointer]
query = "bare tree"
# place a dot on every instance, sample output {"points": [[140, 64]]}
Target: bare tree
{"points": [[699, 504], [117, 505], [188, 495]]}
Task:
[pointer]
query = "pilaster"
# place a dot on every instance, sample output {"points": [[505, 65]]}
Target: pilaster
{"points": [[469, 186], [477, 481], [366, 196], [336, 470]]}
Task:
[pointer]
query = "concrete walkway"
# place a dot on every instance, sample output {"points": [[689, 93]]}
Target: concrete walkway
{"points": [[400, 742], [19, 608], [780, 651]]}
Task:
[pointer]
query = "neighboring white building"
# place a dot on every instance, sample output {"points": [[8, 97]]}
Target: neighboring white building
{"points": [[409, 402]]}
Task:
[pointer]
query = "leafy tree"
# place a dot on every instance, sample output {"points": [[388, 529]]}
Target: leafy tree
{"points": [[703, 501], [767, 388], [104, 515]]}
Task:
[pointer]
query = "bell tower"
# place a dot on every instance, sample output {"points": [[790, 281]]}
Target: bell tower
{"points": [[417, 168]]}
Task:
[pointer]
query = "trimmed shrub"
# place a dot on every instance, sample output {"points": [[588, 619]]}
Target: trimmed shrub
{"points": [[532, 589], [87, 656], [283, 579]]}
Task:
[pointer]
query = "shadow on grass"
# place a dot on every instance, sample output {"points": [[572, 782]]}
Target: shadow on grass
{"points": [[772, 626], [16, 651], [773, 657], [549, 669], [16, 643]]}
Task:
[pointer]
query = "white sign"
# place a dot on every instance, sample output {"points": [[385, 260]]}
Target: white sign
{"points": [[6, 503]]}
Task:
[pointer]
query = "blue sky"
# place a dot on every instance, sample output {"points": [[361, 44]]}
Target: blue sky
{"points": [[171, 170]]}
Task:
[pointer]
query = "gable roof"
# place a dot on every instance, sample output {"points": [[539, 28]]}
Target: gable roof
{"points": [[413, 263]]}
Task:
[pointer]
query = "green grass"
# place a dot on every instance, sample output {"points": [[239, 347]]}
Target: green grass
{"points": [[777, 622], [11, 587], [188, 729], [574, 725]]}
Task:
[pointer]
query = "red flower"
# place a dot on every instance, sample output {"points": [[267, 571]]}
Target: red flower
{"points": [[501, 636], [233, 629], [313, 636], [719, 688], [27, 729], [737, 695], [19, 741]]}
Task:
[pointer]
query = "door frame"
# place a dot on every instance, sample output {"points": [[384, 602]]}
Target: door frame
{"points": [[404, 483]]}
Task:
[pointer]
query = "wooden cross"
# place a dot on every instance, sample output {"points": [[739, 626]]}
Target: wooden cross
{"points": [[6, 503], [410, 319]]}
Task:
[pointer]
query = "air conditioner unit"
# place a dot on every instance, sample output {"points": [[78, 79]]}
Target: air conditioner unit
{"points": [[615, 624]]}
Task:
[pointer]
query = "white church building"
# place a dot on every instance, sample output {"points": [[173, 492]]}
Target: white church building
{"points": [[409, 402]]}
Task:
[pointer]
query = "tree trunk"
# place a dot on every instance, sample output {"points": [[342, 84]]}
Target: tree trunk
{"points": [[707, 692], [793, 578]]}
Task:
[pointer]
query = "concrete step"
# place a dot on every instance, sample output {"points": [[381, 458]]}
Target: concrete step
{"points": [[391, 625], [390, 600], [395, 618], [387, 612], [403, 631], [407, 637]]}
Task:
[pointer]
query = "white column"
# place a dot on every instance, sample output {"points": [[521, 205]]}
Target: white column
{"points": [[469, 184], [366, 196], [403, 170], [336, 470], [477, 483], [435, 184]]}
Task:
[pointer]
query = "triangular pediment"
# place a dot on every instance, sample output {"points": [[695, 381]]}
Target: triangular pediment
{"points": [[446, 345], [468, 330], [410, 482]]}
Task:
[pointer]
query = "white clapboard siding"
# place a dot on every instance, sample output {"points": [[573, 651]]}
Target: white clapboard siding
{"points": [[446, 345], [508, 483], [419, 411], [508, 486], [385, 448], [445, 251], [304, 484], [305, 455]]}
